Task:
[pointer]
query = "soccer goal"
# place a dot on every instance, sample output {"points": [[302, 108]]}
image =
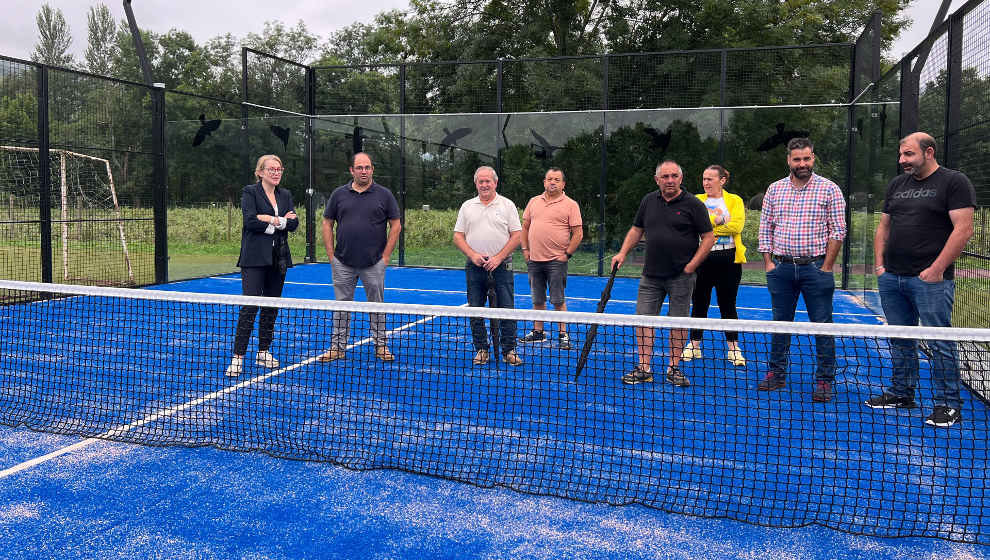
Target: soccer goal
{"points": [[84, 205]]}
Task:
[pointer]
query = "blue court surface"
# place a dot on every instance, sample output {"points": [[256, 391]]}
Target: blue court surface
{"points": [[66, 496]]}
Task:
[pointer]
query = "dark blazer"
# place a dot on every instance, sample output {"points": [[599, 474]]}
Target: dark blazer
{"points": [[256, 245]]}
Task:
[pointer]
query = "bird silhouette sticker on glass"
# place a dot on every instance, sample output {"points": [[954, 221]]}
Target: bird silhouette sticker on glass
{"points": [[205, 129], [543, 150], [282, 133], [450, 139], [659, 141], [780, 138]]}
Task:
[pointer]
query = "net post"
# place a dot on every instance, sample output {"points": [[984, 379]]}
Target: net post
{"points": [[44, 176]]}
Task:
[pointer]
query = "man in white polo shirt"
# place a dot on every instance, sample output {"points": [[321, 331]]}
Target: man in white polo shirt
{"points": [[487, 232]]}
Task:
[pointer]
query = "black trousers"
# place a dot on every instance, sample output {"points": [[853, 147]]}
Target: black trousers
{"points": [[258, 281], [718, 271]]}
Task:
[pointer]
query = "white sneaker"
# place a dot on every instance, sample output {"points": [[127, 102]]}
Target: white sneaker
{"points": [[265, 359], [736, 358], [236, 366], [691, 352]]}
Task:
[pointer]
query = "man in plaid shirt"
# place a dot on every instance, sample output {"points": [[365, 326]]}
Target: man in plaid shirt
{"points": [[802, 227]]}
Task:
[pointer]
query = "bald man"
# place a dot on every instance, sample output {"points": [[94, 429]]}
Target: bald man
{"points": [[926, 221]]}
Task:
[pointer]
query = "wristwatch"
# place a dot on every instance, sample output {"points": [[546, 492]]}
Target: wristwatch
{"points": [[569, 255]]}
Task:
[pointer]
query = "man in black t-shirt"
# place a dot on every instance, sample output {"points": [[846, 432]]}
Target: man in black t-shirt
{"points": [[926, 221], [678, 239]]}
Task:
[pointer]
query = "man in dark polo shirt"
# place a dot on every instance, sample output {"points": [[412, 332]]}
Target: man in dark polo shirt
{"points": [[362, 212], [926, 221], [678, 239]]}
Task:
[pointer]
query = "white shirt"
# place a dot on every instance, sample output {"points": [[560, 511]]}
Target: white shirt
{"points": [[717, 207], [487, 227]]}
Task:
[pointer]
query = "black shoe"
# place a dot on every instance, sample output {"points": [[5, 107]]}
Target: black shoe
{"points": [[886, 400], [637, 376], [534, 336], [943, 417], [772, 381], [565, 341], [675, 376]]}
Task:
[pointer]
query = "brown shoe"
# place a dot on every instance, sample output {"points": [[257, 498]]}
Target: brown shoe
{"points": [[383, 354], [330, 355], [481, 358], [512, 358]]}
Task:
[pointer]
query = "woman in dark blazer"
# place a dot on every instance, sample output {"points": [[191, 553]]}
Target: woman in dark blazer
{"points": [[269, 216]]}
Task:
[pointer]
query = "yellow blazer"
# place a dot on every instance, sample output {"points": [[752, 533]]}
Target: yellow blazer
{"points": [[734, 227]]}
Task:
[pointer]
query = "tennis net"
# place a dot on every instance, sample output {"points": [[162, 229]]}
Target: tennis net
{"points": [[148, 367]]}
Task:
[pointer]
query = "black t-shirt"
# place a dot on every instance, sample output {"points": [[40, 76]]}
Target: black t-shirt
{"points": [[672, 230], [361, 219], [919, 218]]}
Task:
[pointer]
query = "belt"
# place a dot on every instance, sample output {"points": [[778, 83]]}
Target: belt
{"points": [[798, 260]]}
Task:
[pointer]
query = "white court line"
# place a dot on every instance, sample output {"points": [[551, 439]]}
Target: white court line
{"points": [[572, 298], [109, 434]]}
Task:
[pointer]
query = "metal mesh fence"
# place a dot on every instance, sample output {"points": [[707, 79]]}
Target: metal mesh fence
{"points": [[552, 85], [357, 90], [971, 155], [805, 75], [648, 81], [941, 88], [77, 200], [274, 82]]}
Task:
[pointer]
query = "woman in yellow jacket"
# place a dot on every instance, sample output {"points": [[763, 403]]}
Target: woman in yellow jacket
{"points": [[722, 269]]}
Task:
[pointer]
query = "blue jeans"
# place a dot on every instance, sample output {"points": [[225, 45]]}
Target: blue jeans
{"points": [[788, 281], [906, 300], [477, 294]]}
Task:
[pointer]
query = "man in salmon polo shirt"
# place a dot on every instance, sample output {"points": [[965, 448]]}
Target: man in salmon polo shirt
{"points": [[551, 233]]}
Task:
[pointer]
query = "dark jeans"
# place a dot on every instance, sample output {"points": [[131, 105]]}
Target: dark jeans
{"points": [[477, 294], [718, 271], [786, 283], [258, 281], [906, 300]]}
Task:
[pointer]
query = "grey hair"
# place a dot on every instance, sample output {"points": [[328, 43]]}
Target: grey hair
{"points": [[659, 165], [485, 168]]}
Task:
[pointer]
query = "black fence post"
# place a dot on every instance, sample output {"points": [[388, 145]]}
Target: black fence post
{"points": [[498, 116], [909, 97], [44, 176], [722, 80], [160, 183], [402, 163], [850, 163], [953, 95], [310, 186], [245, 143], [603, 170]]}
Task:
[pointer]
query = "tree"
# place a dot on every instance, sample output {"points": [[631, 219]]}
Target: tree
{"points": [[101, 47], [54, 38]]}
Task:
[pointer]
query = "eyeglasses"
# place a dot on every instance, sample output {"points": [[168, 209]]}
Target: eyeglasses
{"points": [[275, 170]]}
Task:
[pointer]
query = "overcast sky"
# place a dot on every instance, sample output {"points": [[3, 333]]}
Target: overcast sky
{"points": [[205, 19]]}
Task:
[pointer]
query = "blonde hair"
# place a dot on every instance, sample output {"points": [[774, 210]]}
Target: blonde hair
{"points": [[261, 164]]}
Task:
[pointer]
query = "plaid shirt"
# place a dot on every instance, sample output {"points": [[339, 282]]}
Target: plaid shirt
{"points": [[800, 222]]}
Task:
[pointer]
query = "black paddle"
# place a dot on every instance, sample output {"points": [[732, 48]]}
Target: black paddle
{"points": [[593, 329]]}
